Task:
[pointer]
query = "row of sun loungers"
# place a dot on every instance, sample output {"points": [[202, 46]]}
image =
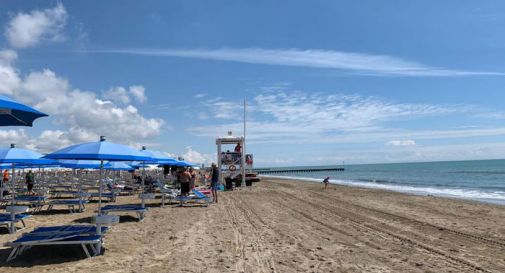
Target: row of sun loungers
{"points": [[89, 237]]}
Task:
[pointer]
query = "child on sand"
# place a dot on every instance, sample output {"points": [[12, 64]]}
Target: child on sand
{"points": [[326, 181]]}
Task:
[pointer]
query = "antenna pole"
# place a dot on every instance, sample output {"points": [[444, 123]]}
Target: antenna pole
{"points": [[243, 148]]}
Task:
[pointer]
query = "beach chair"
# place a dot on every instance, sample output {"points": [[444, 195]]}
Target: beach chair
{"points": [[109, 196], [196, 197], [19, 216], [84, 235], [74, 205], [138, 209], [171, 194], [34, 202]]}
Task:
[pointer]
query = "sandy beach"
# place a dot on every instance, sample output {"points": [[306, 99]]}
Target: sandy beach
{"points": [[288, 226]]}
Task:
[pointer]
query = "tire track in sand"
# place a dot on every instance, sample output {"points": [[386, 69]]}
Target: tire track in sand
{"points": [[246, 236]]}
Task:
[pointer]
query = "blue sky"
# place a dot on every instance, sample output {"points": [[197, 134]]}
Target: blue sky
{"points": [[325, 81]]}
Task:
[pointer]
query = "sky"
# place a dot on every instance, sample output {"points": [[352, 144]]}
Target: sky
{"points": [[324, 81]]}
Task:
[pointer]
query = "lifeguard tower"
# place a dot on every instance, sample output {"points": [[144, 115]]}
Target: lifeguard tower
{"points": [[231, 161]]}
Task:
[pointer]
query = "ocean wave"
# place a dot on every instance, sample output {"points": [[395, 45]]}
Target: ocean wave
{"points": [[473, 194]]}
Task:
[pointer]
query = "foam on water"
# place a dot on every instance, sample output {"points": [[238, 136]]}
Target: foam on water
{"points": [[496, 197]]}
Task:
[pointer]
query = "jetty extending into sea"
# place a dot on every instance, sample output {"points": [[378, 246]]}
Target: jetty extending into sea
{"points": [[298, 170]]}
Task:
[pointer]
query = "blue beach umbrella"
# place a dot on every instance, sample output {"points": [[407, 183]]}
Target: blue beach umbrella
{"points": [[101, 150], [13, 113], [79, 164], [16, 156], [182, 163], [118, 166], [155, 155]]}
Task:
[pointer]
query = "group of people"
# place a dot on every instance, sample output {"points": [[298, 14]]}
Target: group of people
{"points": [[29, 180], [187, 178]]}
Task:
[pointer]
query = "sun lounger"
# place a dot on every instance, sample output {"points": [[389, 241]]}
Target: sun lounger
{"points": [[6, 220], [84, 235], [110, 196], [197, 197], [71, 203], [57, 194], [74, 205], [165, 192], [34, 202], [125, 208]]}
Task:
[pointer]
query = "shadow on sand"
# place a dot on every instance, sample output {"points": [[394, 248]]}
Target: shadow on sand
{"points": [[42, 255]]}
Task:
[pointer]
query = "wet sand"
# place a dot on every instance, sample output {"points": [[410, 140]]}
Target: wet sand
{"points": [[288, 226]]}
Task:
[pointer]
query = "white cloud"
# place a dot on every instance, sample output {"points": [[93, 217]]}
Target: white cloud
{"points": [[82, 115], [30, 29], [9, 78], [196, 157], [117, 94], [402, 143], [297, 116], [225, 109], [138, 93], [200, 95], [124, 96], [18, 137], [362, 63]]}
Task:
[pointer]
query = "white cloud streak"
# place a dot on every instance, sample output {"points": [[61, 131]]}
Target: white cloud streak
{"points": [[365, 64], [401, 143], [281, 116]]}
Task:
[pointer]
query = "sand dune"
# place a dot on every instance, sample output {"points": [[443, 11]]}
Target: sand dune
{"points": [[289, 226]]}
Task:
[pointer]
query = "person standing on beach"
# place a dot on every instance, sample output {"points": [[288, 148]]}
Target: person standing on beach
{"points": [[192, 179], [185, 182], [30, 180], [326, 181], [214, 182], [5, 179]]}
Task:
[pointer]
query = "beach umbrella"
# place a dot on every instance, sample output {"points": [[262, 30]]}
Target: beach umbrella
{"points": [[13, 113], [156, 156], [118, 166], [79, 164], [182, 163], [102, 151], [23, 158]]}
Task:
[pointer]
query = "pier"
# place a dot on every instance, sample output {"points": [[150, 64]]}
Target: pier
{"points": [[298, 170]]}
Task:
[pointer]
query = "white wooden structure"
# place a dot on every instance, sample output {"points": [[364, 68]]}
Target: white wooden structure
{"points": [[231, 163]]}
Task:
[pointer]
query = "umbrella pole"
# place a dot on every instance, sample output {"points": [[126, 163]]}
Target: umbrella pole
{"points": [[143, 183], [13, 215], [99, 226], [100, 189], [13, 184]]}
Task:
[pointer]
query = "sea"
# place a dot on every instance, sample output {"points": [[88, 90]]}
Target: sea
{"points": [[481, 180]]}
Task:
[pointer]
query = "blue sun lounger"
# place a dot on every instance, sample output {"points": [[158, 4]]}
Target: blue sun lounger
{"points": [[74, 205], [109, 196], [35, 202], [84, 235], [125, 208], [198, 197], [5, 220]]}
